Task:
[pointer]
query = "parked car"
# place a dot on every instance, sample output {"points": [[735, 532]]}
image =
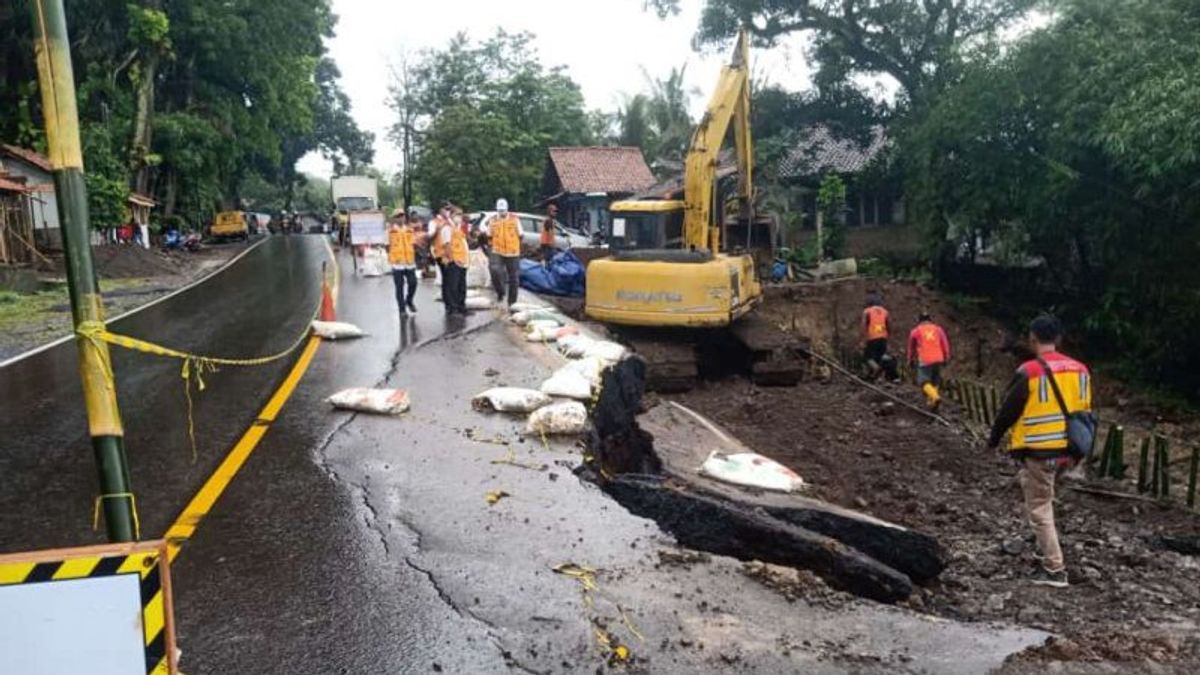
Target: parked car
{"points": [[531, 231]]}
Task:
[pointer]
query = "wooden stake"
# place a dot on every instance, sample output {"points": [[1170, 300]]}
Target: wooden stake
{"points": [[1104, 456], [1165, 483], [1143, 463], [1116, 464], [1156, 468], [1191, 491]]}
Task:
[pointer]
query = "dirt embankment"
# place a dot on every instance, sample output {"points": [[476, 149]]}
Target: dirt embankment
{"points": [[130, 276]]}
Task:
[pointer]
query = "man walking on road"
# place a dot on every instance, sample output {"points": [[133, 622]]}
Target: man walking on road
{"points": [[402, 256], [876, 326], [929, 350], [548, 236], [504, 232], [1042, 393], [454, 272]]}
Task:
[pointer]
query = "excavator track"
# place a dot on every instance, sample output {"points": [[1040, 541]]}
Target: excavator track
{"points": [[677, 360]]}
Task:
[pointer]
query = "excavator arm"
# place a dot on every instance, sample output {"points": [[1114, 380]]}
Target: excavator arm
{"points": [[730, 104]]}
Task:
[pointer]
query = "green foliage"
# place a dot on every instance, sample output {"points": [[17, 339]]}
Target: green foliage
{"points": [[917, 43], [1071, 148], [831, 200], [478, 118], [240, 91]]}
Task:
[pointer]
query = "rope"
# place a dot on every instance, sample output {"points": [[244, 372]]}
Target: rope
{"points": [[137, 525], [195, 366], [861, 382]]}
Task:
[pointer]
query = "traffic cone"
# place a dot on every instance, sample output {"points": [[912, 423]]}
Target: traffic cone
{"points": [[327, 312]]}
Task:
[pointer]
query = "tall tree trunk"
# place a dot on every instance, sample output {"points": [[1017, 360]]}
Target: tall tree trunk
{"points": [[172, 193], [143, 124]]}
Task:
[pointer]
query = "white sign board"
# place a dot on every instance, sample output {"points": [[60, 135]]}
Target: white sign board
{"points": [[368, 228], [102, 610], [618, 227]]}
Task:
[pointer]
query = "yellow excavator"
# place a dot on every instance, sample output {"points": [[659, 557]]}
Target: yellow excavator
{"points": [[668, 288]]}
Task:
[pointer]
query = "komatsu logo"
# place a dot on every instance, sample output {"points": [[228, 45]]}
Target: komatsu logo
{"points": [[649, 296]]}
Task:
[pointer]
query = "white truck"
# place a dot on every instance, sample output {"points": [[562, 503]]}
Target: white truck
{"points": [[355, 193]]}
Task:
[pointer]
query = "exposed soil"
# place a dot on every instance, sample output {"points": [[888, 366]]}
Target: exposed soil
{"points": [[130, 276], [861, 451]]}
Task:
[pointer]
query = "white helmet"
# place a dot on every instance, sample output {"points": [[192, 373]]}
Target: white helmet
{"points": [[502, 205]]}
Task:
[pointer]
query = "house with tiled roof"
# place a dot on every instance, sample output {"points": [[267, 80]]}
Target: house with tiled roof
{"points": [[819, 151], [583, 181], [33, 172]]}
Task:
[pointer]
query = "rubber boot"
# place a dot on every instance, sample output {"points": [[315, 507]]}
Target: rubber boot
{"points": [[932, 395]]}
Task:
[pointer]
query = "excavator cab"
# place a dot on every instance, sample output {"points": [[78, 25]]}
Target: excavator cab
{"points": [[646, 225]]}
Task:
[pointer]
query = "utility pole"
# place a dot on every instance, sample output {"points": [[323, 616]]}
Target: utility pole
{"points": [[57, 83]]}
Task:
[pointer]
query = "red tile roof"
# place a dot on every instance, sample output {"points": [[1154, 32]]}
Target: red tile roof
{"points": [[11, 186], [601, 169], [29, 156]]}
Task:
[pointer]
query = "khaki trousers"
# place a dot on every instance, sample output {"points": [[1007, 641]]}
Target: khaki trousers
{"points": [[1037, 484]]}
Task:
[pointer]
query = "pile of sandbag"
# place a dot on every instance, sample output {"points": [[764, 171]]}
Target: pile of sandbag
{"points": [[582, 347]]}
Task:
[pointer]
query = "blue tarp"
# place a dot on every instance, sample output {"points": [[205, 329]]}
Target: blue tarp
{"points": [[563, 276]]}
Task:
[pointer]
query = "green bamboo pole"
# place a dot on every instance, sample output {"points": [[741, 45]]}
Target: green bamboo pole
{"points": [[1191, 491], [1104, 456], [1165, 464], [1143, 464], [1117, 466], [56, 81]]}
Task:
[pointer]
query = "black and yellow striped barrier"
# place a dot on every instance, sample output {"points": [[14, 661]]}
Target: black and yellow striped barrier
{"points": [[146, 560]]}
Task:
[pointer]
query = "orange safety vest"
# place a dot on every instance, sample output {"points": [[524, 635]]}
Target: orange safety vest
{"points": [[435, 245], [929, 342], [400, 246], [1041, 431], [459, 255], [877, 319], [506, 236], [547, 233]]}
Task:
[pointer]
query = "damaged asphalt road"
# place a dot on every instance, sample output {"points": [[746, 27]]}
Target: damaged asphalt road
{"points": [[359, 544], [354, 543]]}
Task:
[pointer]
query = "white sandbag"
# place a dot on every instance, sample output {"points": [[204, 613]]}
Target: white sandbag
{"points": [[589, 367], [364, 399], [605, 350], [568, 384], [478, 275], [753, 470], [568, 417], [336, 330], [541, 334], [510, 399], [574, 346], [523, 317], [528, 307], [566, 331], [538, 324], [374, 263], [480, 302]]}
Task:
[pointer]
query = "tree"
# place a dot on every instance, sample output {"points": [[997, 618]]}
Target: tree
{"points": [[479, 117], [1070, 148], [915, 42]]}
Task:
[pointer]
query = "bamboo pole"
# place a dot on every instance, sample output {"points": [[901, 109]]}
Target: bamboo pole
{"points": [[1156, 468], [1143, 464], [1116, 463], [1191, 490], [1105, 455], [1165, 483]]}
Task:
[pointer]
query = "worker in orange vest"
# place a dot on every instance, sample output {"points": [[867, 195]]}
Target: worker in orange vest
{"points": [[1043, 404], [402, 256], [929, 350], [504, 233], [876, 328], [454, 269], [549, 234]]}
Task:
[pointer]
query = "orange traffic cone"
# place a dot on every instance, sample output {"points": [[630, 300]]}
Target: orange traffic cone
{"points": [[327, 312]]}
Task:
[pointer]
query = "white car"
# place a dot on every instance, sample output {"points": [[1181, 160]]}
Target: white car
{"points": [[531, 231]]}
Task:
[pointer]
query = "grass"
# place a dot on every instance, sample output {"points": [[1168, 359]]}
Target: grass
{"points": [[18, 309]]}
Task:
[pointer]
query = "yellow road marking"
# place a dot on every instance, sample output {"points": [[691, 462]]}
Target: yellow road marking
{"points": [[185, 525]]}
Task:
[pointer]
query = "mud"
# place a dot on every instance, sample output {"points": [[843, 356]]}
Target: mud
{"points": [[860, 451]]}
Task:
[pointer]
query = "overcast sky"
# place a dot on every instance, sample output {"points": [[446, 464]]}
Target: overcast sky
{"points": [[603, 43]]}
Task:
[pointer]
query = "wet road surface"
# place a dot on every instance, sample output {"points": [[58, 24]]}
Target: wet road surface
{"points": [[359, 544]]}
